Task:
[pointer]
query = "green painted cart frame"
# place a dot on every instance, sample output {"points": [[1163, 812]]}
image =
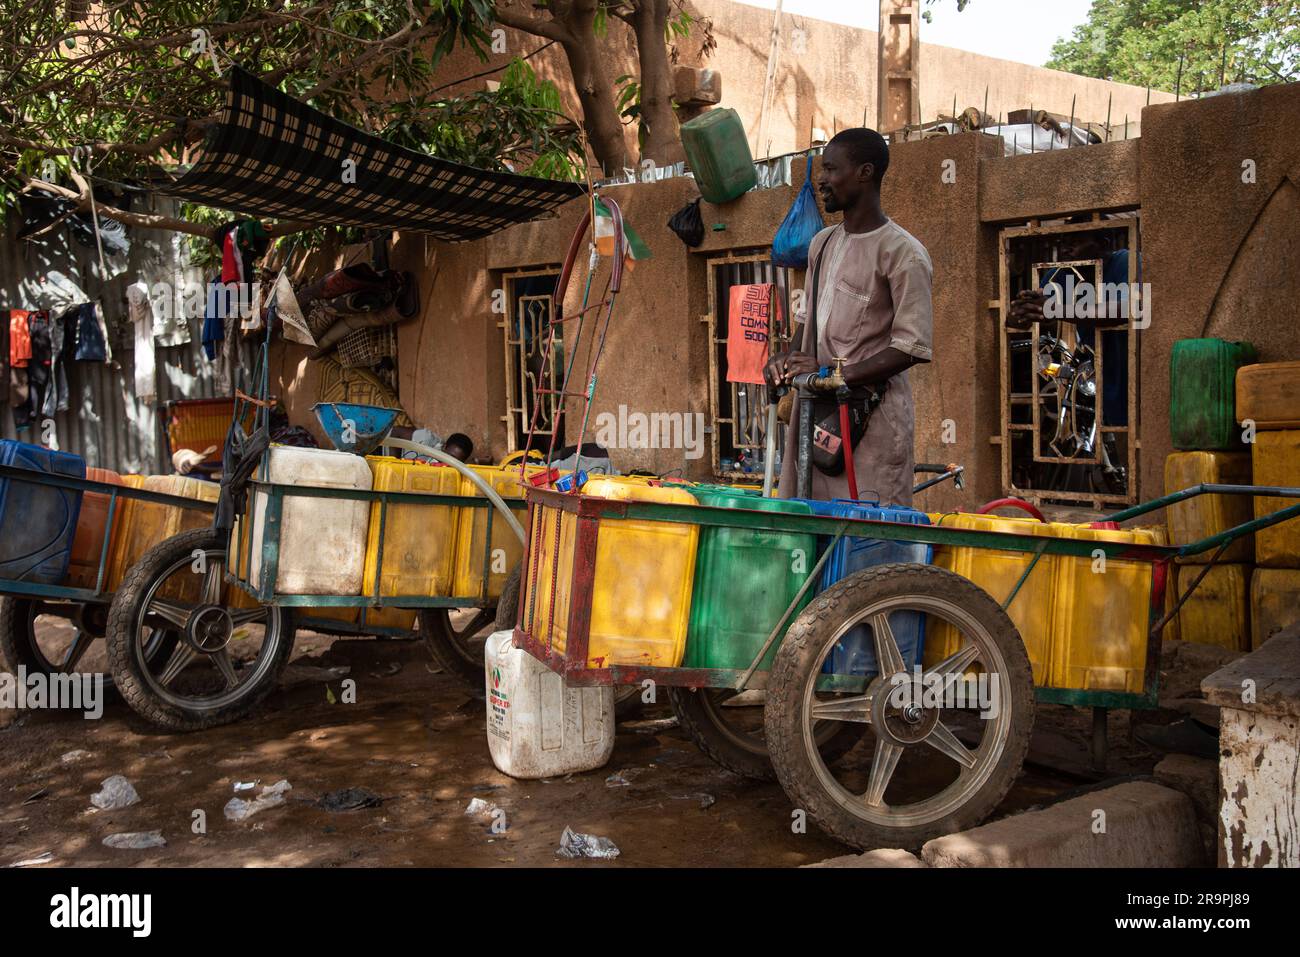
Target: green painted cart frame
{"points": [[263, 590], [534, 635]]}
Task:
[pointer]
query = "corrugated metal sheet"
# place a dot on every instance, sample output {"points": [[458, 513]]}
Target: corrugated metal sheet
{"points": [[106, 423]]}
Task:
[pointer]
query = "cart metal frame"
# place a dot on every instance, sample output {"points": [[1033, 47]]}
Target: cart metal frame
{"points": [[98, 594], [589, 512], [263, 590]]}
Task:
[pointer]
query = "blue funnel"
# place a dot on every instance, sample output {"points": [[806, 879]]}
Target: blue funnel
{"points": [[355, 428]]}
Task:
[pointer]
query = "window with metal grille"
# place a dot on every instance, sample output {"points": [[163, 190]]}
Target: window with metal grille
{"points": [[737, 410], [1071, 416], [533, 378]]}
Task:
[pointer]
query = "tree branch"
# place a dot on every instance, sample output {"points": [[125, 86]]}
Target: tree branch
{"points": [[148, 220], [516, 20]]}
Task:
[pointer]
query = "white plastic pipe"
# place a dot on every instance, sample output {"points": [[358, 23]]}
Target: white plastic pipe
{"points": [[769, 464], [469, 473]]}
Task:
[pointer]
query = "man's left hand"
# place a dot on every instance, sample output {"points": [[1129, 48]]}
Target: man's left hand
{"points": [[797, 363]]}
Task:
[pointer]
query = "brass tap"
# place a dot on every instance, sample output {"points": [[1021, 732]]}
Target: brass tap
{"points": [[836, 379]]}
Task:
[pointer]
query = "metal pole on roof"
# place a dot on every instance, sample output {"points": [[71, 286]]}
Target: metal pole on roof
{"points": [[985, 111], [1032, 117], [1125, 126], [769, 82], [1070, 135], [1108, 102]]}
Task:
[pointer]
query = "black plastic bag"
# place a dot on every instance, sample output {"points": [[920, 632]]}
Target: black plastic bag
{"points": [[688, 224]]}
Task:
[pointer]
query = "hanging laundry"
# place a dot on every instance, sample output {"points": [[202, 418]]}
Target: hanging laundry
{"points": [[20, 338], [20, 398], [252, 242], [214, 319], [140, 311], [242, 242], [251, 316], [91, 335], [232, 266], [139, 307], [749, 319], [66, 338], [50, 291], [46, 376], [41, 209], [165, 319]]}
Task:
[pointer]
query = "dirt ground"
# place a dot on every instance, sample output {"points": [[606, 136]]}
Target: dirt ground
{"points": [[416, 740]]}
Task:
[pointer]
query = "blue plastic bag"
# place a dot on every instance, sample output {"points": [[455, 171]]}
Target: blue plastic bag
{"points": [[801, 224]]}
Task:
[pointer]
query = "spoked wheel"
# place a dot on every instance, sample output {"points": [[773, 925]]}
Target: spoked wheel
{"points": [[455, 639], [60, 638], [727, 725], [43, 638], [939, 753], [225, 652]]}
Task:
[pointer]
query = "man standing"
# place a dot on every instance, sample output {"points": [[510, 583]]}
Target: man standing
{"points": [[872, 310]]}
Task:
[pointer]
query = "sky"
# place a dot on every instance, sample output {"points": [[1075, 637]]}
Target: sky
{"points": [[1020, 30]]}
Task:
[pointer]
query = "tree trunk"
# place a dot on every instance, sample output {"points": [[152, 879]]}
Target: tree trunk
{"points": [[572, 24], [596, 95], [663, 140], [592, 82]]}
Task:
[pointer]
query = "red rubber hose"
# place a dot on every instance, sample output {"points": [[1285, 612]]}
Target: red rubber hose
{"points": [[1019, 503], [846, 444]]}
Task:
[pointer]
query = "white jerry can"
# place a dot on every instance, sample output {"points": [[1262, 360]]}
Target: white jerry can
{"points": [[536, 726], [322, 540]]}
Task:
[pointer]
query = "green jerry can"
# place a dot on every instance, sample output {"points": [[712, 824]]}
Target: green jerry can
{"points": [[717, 152], [745, 579], [1202, 393]]}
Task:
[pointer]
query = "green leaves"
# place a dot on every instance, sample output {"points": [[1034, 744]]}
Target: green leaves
{"points": [[132, 75], [519, 127], [1189, 44]]}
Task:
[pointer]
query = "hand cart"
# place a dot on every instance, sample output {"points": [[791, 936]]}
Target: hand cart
{"points": [[924, 766], [25, 601], [236, 628]]}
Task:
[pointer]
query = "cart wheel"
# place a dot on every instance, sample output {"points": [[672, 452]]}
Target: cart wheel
{"points": [[182, 653], [731, 735], [892, 791], [627, 698], [727, 725], [456, 646], [21, 645]]}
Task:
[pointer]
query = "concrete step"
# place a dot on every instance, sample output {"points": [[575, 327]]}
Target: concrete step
{"points": [[1136, 824]]}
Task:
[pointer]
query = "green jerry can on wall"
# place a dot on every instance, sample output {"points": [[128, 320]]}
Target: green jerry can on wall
{"points": [[1202, 393], [717, 152]]}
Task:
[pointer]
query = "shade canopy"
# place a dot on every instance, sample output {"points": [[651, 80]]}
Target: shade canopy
{"points": [[275, 157]]}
